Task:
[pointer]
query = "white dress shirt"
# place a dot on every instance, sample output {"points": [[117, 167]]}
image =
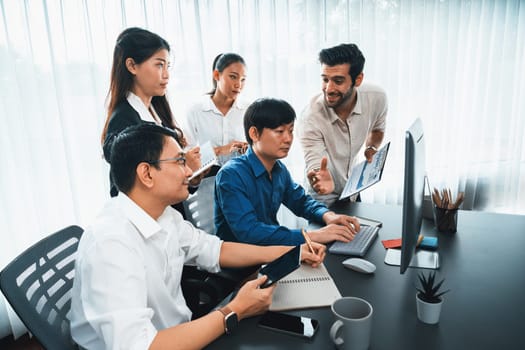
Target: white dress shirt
{"points": [[128, 273], [205, 122]]}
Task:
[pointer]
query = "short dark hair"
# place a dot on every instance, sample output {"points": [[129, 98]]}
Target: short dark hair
{"points": [[344, 53], [136, 144], [267, 113]]}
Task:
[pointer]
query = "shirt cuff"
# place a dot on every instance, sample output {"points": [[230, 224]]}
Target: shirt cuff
{"points": [[318, 215], [298, 238]]}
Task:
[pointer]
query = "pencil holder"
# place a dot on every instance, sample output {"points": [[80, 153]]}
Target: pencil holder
{"points": [[446, 220]]}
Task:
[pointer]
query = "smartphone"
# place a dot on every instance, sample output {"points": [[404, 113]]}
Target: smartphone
{"points": [[294, 325], [281, 266]]}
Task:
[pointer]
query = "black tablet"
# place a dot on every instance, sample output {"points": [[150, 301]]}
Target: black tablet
{"points": [[281, 266]]}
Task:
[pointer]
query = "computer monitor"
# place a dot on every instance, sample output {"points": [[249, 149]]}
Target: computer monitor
{"points": [[413, 192]]}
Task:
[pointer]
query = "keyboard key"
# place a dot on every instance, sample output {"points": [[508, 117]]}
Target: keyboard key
{"points": [[359, 245]]}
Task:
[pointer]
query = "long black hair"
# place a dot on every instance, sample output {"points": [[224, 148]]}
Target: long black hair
{"points": [[138, 44]]}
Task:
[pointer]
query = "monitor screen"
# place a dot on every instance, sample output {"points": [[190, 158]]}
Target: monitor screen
{"points": [[413, 192]]}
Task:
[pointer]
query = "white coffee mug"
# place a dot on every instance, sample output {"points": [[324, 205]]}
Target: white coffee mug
{"points": [[353, 325]]}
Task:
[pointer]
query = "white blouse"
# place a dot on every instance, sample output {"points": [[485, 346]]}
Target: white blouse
{"points": [[206, 123]]}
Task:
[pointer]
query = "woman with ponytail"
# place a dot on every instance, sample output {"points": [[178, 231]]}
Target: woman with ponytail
{"points": [[218, 117]]}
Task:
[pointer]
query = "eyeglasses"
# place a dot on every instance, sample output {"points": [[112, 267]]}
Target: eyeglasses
{"points": [[181, 160]]}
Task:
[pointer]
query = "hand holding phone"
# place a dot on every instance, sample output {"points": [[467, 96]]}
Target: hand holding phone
{"points": [[281, 266], [294, 325]]}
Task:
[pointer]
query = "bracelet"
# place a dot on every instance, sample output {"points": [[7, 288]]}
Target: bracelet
{"points": [[372, 148]]}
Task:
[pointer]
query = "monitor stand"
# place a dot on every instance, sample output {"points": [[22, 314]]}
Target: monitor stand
{"points": [[423, 259]]}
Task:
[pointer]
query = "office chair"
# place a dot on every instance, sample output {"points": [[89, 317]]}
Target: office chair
{"points": [[38, 285], [199, 207], [203, 290], [201, 294]]}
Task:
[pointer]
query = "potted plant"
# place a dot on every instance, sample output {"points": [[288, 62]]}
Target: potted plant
{"points": [[429, 298]]}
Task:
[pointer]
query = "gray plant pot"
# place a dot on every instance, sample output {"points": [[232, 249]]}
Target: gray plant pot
{"points": [[428, 312]]}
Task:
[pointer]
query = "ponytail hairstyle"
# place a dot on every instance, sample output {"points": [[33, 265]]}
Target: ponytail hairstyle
{"points": [[220, 63]]}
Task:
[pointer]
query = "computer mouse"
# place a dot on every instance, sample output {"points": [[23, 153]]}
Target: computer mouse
{"points": [[359, 265]]}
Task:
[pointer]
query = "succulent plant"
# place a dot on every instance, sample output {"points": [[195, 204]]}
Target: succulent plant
{"points": [[429, 288]]}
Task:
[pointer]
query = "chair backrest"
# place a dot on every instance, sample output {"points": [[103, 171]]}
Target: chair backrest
{"points": [[38, 285], [199, 206]]}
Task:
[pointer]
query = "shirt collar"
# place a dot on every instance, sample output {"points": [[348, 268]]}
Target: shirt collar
{"points": [[323, 109], [144, 223], [141, 108], [358, 104], [256, 164], [208, 105]]}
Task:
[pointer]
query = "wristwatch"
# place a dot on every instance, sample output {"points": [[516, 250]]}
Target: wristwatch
{"points": [[230, 319]]}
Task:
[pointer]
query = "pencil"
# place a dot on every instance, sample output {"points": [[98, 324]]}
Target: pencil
{"points": [[419, 240], [308, 241]]}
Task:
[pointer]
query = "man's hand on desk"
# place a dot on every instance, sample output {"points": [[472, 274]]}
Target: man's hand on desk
{"points": [[344, 220], [338, 228], [330, 233], [316, 258]]}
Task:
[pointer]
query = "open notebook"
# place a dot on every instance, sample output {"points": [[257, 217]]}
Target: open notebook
{"points": [[208, 159], [306, 287]]}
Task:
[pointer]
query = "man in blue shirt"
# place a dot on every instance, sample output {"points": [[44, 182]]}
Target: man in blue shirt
{"points": [[250, 189]]}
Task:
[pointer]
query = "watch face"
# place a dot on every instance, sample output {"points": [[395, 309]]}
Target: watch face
{"points": [[231, 322]]}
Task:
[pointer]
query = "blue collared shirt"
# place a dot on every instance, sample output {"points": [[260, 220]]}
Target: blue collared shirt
{"points": [[247, 201]]}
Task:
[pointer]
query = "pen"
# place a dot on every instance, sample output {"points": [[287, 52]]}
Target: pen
{"points": [[307, 239]]}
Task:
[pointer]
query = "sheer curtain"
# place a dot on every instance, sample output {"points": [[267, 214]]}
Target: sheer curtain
{"points": [[458, 65]]}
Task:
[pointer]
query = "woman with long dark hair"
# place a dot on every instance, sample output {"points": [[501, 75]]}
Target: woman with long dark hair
{"points": [[137, 92]]}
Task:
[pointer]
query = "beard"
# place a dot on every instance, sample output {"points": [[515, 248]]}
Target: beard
{"points": [[343, 98]]}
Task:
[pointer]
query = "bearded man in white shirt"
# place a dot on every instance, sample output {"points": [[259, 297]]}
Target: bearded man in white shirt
{"points": [[338, 122], [126, 292]]}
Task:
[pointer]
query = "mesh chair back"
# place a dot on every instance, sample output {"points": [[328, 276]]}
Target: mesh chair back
{"points": [[38, 285], [200, 205], [203, 290]]}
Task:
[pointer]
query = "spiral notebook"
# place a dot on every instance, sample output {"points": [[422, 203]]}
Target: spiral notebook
{"points": [[306, 287], [208, 159]]}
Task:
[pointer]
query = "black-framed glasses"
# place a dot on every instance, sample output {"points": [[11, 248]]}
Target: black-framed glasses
{"points": [[181, 160]]}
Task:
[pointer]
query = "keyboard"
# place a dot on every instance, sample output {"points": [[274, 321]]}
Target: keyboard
{"points": [[359, 245]]}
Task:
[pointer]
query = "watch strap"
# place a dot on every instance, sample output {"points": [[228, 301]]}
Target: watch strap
{"points": [[225, 310], [228, 314]]}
